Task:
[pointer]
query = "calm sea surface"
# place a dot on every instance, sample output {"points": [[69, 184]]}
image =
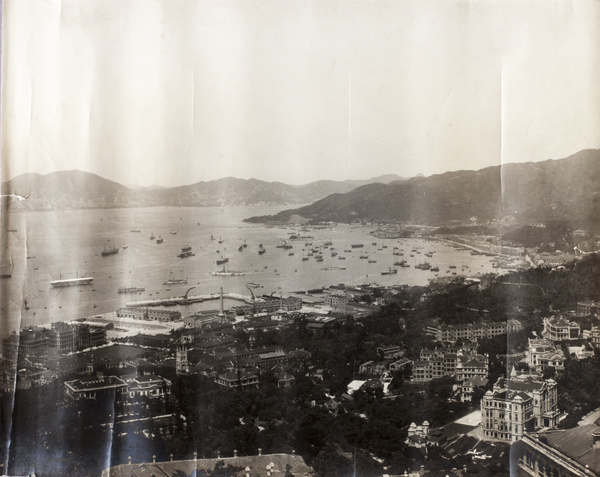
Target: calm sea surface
{"points": [[46, 246]]}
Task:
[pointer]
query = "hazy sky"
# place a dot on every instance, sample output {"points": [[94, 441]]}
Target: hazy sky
{"points": [[173, 92]]}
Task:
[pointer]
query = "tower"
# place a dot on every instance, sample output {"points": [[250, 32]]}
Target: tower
{"points": [[181, 359], [221, 310]]}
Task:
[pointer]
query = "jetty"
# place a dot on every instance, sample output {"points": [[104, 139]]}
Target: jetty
{"points": [[188, 299]]}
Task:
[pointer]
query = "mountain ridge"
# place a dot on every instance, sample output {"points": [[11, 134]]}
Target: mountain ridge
{"points": [[565, 189], [76, 189]]}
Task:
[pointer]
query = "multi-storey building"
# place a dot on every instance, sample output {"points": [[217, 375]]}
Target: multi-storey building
{"points": [[63, 337], [474, 331], [559, 328], [587, 307], [336, 300], [595, 336], [566, 453], [463, 363], [149, 314], [542, 354], [236, 379], [148, 385], [518, 405], [95, 387]]}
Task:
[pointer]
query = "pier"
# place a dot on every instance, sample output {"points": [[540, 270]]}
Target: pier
{"points": [[188, 300]]}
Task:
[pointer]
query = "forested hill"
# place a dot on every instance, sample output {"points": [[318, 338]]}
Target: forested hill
{"points": [[553, 190]]}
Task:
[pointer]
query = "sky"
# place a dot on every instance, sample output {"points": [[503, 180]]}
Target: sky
{"points": [[173, 92]]}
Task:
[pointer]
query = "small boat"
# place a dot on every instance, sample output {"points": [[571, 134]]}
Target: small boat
{"points": [[372, 261], [136, 231], [159, 239], [240, 248], [390, 271], [152, 237], [125, 246], [175, 281], [290, 254], [222, 260], [173, 232]]}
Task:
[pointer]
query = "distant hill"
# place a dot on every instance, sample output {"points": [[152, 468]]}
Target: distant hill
{"points": [[554, 190], [78, 190]]}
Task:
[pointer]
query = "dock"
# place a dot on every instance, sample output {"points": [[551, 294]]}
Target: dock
{"points": [[188, 300]]}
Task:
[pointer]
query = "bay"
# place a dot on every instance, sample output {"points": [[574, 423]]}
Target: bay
{"points": [[52, 245]]}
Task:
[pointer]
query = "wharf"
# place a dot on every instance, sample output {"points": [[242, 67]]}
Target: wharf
{"points": [[187, 300]]}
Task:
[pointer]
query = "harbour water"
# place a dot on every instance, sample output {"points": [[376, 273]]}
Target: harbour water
{"points": [[53, 245]]}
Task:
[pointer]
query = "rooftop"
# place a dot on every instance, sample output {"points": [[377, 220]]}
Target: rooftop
{"points": [[257, 465]]}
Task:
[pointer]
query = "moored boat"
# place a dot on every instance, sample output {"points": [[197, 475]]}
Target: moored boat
{"points": [[131, 289], [109, 251], [72, 282], [186, 252]]}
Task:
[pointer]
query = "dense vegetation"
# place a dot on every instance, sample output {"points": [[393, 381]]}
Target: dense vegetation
{"points": [[340, 435]]}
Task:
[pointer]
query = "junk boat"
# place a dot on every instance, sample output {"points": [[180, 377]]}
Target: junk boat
{"points": [[109, 251], [186, 252], [222, 260]]}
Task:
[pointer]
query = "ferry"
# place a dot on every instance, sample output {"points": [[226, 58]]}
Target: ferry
{"points": [[357, 245], [72, 282]]}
